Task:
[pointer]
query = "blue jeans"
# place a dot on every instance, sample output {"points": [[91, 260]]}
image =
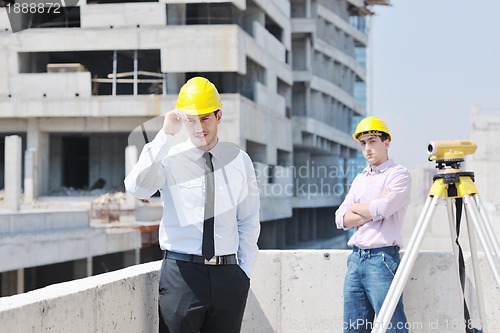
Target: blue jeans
{"points": [[369, 275]]}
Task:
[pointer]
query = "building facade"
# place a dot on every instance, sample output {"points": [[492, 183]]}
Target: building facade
{"points": [[83, 90]]}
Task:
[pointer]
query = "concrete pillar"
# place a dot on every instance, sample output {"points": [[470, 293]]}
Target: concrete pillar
{"points": [[131, 258], [131, 158], [90, 266], [345, 183], [12, 282], [292, 230], [9, 283], [280, 234], [312, 223], [29, 176], [307, 93], [325, 219], [174, 82], [267, 238], [250, 15], [302, 162], [325, 174], [271, 90], [303, 225], [308, 8], [4, 68], [20, 280], [176, 14], [12, 176], [37, 167], [271, 153], [82, 268]]}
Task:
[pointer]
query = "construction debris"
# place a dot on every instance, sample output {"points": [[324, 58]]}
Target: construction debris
{"points": [[106, 208]]}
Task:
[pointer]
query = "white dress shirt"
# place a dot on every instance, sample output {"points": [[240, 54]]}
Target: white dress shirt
{"points": [[178, 172], [384, 229]]}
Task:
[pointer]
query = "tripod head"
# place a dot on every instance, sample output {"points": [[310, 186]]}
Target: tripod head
{"points": [[448, 165]]}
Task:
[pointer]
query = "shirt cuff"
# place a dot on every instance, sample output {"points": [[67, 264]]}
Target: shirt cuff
{"points": [[342, 225], [339, 220], [372, 207]]}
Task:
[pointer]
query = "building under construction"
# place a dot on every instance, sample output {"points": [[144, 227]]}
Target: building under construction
{"points": [[81, 92]]}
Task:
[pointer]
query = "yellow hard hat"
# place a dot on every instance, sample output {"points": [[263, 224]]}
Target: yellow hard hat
{"points": [[368, 125], [198, 96]]}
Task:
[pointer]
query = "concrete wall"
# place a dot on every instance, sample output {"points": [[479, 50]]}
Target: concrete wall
{"points": [[51, 85], [292, 291], [191, 48], [238, 3], [123, 15]]}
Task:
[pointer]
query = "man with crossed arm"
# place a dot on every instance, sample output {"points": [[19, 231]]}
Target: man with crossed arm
{"points": [[375, 207]]}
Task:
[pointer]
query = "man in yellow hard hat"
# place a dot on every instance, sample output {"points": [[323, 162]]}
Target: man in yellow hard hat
{"points": [[210, 224], [375, 207]]}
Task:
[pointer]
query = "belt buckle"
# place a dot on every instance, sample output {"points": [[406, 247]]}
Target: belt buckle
{"points": [[213, 261]]}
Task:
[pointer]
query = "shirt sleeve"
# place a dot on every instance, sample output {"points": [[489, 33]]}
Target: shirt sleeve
{"points": [[147, 175], [247, 215], [399, 196], [346, 206]]}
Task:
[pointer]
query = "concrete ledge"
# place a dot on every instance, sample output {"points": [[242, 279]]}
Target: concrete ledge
{"points": [[24, 222], [292, 291], [49, 247], [120, 301]]}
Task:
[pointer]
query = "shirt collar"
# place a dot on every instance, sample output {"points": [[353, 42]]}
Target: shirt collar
{"points": [[196, 153], [380, 168], [223, 153], [192, 152], [217, 151]]}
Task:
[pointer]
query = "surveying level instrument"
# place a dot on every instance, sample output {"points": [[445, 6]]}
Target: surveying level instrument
{"points": [[457, 186]]}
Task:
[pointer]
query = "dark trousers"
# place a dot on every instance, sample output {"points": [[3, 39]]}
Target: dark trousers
{"points": [[201, 298]]}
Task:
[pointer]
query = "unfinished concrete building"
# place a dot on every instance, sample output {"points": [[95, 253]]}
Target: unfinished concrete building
{"points": [[81, 92], [329, 59]]}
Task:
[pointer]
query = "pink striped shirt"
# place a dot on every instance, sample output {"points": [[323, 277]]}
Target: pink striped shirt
{"points": [[387, 213]]}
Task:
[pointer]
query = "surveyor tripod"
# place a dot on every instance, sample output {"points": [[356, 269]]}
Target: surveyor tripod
{"points": [[457, 187]]}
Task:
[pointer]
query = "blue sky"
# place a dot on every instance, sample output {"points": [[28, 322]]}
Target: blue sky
{"points": [[432, 60]]}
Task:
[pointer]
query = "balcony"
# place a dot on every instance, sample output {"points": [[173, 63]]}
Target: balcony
{"points": [[339, 22], [47, 236], [292, 291], [304, 26]]}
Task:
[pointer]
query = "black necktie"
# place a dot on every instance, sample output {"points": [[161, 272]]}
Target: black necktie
{"points": [[208, 248]]}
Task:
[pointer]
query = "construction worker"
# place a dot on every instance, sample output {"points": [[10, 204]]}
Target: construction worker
{"points": [[375, 207], [210, 224]]}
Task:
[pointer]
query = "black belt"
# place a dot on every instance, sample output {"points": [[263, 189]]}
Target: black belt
{"points": [[387, 249], [216, 260]]}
